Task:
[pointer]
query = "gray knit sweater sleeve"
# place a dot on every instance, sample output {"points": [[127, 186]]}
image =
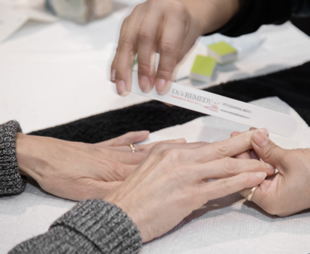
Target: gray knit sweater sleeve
{"points": [[92, 226], [10, 180]]}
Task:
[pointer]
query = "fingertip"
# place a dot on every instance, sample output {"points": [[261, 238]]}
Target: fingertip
{"points": [[261, 175], [121, 88], [146, 133], [260, 139], [145, 84], [235, 133], [162, 86], [271, 167], [263, 131]]}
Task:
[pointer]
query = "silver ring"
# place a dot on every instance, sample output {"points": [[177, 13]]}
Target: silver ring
{"points": [[133, 149]]}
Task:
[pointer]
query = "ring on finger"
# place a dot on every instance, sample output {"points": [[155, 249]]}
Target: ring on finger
{"points": [[251, 193], [133, 149]]}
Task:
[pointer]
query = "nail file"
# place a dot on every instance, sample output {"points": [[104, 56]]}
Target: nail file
{"points": [[223, 107]]}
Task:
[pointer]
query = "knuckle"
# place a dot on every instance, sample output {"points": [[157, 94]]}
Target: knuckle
{"points": [[268, 152], [168, 48], [144, 66], [221, 148], [172, 154], [164, 73], [144, 35], [125, 43], [228, 165], [178, 8], [158, 148], [136, 11]]}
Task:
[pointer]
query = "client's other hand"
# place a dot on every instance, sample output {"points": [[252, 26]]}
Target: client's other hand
{"points": [[80, 171], [173, 181], [287, 192]]}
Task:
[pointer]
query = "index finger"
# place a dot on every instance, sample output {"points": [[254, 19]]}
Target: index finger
{"points": [[226, 148]]}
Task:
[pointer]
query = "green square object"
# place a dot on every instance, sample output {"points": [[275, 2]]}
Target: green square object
{"points": [[222, 48], [204, 65]]}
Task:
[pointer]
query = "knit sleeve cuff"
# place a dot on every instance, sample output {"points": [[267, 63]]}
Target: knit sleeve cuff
{"points": [[91, 227], [10, 180], [105, 225]]}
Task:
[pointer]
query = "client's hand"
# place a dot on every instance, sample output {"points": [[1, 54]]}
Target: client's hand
{"points": [[80, 171], [287, 192], [173, 181]]}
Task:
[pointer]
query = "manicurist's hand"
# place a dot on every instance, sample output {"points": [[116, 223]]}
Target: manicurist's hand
{"points": [[80, 171], [173, 181], [287, 192], [169, 27]]}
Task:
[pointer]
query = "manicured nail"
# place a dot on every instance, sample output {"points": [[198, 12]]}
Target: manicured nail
{"points": [[260, 139], [145, 84], [161, 86], [270, 166], [113, 75], [235, 133], [121, 87], [264, 131], [261, 175]]}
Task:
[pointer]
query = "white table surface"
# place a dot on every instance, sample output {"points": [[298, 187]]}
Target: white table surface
{"points": [[55, 73]]}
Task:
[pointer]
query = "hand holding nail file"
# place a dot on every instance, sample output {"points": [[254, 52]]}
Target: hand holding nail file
{"points": [[223, 107]]}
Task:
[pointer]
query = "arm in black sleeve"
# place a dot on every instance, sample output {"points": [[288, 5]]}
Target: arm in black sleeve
{"points": [[10, 180], [254, 13]]}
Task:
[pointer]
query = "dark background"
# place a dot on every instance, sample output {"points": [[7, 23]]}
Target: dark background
{"points": [[303, 24]]}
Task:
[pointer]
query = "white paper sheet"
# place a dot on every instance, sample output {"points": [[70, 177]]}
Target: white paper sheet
{"points": [[12, 19], [224, 226]]}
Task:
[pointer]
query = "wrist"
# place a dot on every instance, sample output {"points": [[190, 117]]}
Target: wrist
{"points": [[26, 155], [132, 211], [213, 14]]}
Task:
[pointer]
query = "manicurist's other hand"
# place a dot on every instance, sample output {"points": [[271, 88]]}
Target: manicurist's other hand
{"points": [[173, 181], [169, 27], [287, 192], [79, 171]]}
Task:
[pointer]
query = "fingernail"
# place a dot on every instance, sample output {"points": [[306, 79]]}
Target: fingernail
{"points": [[264, 131], [145, 84], [161, 86], [260, 139], [121, 88], [235, 133], [270, 166], [261, 175], [113, 75]]}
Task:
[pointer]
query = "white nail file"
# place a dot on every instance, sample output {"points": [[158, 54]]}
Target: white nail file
{"points": [[223, 107]]}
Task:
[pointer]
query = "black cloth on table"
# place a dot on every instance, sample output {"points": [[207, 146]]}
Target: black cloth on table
{"points": [[291, 86]]}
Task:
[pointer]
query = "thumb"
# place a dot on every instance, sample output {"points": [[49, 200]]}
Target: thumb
{"points": [[268, 151]]}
